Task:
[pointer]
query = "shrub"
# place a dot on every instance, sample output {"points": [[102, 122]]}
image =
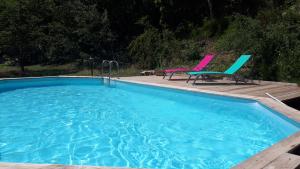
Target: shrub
{"points": [[242, 35], [145, 48], [274, 42], [158, 49], [210, 28]]}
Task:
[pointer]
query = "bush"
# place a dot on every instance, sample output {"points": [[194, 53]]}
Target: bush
{"points": [[155, 49], [210, 28], [144, 49], [242, 35], [272, 38]]}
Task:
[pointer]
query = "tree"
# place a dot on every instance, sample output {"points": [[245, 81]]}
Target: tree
{"points": [[210, 9], [78, 30], [20, 31]]}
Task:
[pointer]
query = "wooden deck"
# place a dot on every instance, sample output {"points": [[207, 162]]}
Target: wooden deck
{"points": [[276, 157], [280, 90]]}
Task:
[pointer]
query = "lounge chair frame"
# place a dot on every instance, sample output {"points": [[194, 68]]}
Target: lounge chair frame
{"points": [[236, 77], [231, 73], [184, 71]]}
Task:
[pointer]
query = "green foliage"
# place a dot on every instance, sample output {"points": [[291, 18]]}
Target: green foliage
{"points": [[273, 37], [48, 31], [152, 34], [155, 49], [78, 31], [144, 49], [20, 31], [176, 51], [210, 28], [242, 35]]}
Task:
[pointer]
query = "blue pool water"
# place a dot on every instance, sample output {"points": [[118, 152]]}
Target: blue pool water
{"points": [[81, 121]]}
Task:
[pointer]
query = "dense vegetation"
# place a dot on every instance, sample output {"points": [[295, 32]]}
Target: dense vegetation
{"points": [[153, 34]]}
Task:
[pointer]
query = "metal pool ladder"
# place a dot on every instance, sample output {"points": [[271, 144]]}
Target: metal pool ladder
{"points": [[110, 63]]}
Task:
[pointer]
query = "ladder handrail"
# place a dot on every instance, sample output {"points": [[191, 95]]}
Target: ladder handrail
{"points": [[110, 63], [103, 62]]}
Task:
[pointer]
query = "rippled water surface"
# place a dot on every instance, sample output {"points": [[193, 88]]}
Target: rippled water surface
{"points": [[84, 122]]}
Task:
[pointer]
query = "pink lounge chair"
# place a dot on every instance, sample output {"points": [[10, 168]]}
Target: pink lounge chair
{"points": [[201, 65]]}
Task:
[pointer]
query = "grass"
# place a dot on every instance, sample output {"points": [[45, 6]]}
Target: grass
{"points": [[37, 70], [70, 69]]}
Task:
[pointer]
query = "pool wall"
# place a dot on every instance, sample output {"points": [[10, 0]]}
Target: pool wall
{"points": [[11, 84]]}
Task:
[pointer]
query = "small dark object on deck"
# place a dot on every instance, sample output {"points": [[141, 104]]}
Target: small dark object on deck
{"points": [[295, 150], [147, 72], [295, 103]]}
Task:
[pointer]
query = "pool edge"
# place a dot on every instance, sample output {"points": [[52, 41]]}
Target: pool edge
{"points": [[8, 165], [268, 102], [275, 157]]}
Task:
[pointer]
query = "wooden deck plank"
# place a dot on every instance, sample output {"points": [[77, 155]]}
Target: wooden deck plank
{"points": [[253, 90], [289, 95], [285, 161], [260, 89], [274, 91], [264, 158], [219, 88], [289, 90], [236, 87], [286, 89], [253, 87], [282, 90], [222, 86]]}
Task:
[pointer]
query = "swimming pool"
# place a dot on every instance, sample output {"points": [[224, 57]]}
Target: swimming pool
{"points": [[82, 121]]}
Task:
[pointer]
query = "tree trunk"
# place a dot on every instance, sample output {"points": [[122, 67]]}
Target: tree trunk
{"points": [[21, 60], [22, 68], [21, 64], [210, 9]]}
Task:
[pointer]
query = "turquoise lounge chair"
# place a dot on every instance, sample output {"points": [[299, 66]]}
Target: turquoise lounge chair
{"points": [[231, 71]]}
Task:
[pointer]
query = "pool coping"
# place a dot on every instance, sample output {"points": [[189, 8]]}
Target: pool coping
{"points": [[6, 165], [264, 159]]}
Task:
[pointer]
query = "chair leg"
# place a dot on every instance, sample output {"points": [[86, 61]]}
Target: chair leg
{"points": [[196, 79], [171, 76], [240, 78], [189, 79], [165, 74], [236, 79]]}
